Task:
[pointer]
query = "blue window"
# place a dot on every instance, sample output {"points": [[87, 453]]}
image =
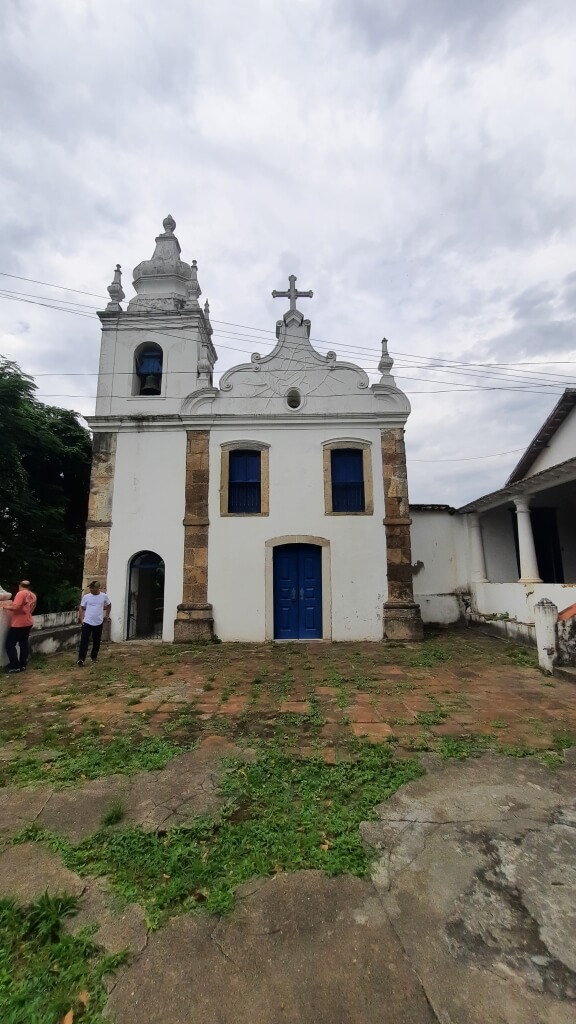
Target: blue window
{"points": [[244, 487], [347, 467]]}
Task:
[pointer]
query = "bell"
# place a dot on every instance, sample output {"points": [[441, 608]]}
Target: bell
{"points": [[151, 384]]}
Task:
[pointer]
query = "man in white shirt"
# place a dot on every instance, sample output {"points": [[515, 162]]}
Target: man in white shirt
{"points": [[94, 608]]}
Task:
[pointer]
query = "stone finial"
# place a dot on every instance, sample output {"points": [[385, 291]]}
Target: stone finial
{"points": [[194, 289], [207, 317], [386, 362], [169, 224], [115, 292]]}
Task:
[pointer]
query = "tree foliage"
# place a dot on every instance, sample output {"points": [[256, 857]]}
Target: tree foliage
{"points": [[45, 456]]}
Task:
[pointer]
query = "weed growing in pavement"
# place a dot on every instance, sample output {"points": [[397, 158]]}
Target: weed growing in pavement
{"points": [[47, 975], [523, 656], [462, 747], [429, 718], [114, 814], [428, 657], [89, 757], [282, 814]]}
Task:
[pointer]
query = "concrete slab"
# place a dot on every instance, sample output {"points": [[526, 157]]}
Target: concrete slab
{"points": [[79, 812], [20, 806], [29, 870], [298, 947], [477, 872], [120, 926]]}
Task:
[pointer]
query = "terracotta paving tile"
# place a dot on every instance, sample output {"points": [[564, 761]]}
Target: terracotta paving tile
{"points": [[296, 707], [372, 730], [417, 702], [234, 706], [208, 705], [327, 691], [362, 713], [144, 706], [332, 714], [331, 730]]}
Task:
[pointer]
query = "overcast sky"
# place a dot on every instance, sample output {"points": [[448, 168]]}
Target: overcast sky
{"points": [[412, 161]]}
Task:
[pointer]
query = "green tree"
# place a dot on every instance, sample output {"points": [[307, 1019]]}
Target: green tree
{"points": [[45, 456]]}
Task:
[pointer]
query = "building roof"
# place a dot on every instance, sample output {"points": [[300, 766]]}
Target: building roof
{"points": [[559, 413], [541, 481], [432, 508]]}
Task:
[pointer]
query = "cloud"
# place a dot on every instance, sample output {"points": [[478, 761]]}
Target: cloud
{"points": [[411, 162]]}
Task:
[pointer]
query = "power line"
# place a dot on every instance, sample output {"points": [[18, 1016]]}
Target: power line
{"points": [[533, 386], [432, 359]]}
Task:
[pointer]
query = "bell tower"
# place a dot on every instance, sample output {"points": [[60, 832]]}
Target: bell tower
{"points": [[159, 349]]}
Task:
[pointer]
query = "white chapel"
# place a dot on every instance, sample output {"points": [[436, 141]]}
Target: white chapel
{"points": [[272, 507]]}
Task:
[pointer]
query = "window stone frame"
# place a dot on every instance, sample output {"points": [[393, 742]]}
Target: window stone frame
{"points": [[366, 449], [264, 449]]}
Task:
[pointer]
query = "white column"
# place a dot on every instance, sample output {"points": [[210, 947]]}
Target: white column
{"points": [[477, 561], [528, 562]]}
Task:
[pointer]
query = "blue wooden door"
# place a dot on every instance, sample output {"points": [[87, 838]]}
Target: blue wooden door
{"points": [[297, 592]]}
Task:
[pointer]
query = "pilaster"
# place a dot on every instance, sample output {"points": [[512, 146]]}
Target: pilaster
{"points": [[194, 619], [100, 509], [402, 619]]}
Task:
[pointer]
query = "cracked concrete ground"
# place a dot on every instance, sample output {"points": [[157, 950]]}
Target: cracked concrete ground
{"points": [[477, 873], [469, 915], [186, 787]]}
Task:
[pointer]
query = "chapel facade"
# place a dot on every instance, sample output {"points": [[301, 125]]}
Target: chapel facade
{"points": [[272, 507]]}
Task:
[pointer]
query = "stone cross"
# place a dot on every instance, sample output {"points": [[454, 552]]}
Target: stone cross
{"points": [[292, 293]]}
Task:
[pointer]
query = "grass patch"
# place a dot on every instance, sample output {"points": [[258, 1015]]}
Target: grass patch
{"points": [[429, 656], [114, 814], [90, 757], [282, 814], [44, 972], [523, 656]]}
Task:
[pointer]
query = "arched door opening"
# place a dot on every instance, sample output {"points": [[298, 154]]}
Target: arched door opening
{"points": [[145, 596]]}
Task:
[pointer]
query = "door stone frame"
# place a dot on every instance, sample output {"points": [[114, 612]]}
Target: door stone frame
{"points": [[299, 538]]}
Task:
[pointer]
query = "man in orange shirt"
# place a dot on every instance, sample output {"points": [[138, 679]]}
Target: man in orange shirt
{"points": [[21, 623]]}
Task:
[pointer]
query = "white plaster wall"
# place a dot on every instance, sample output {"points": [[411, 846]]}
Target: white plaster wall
{"points": [[115, 381], [147, 514], [517, 600], [561, 446], [498, 543], [435, 537], [438, 555], [236, 574]]}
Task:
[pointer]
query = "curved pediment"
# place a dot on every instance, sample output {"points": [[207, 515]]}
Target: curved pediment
{"points": [[294, 364]]}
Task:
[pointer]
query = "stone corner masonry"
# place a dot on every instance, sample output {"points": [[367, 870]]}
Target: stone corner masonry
{"points": [[194, 619], [402, 618]]}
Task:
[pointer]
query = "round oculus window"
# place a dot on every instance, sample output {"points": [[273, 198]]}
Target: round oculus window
{"points": [[294, 399]]}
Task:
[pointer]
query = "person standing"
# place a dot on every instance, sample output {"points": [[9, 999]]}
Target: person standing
{"points": [[94, 608], [21, 623]]}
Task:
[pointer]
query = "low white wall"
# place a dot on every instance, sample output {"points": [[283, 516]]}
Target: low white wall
{"points": [[50, 620], [439, 546], [516, 600]]}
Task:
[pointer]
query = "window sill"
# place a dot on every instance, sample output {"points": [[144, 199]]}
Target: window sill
{"points": [[243, 515], [367, 512]]}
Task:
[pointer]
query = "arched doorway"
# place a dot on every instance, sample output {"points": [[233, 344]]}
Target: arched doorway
{"points": [[145, 596]]}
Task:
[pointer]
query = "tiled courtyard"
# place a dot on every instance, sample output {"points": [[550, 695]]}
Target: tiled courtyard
{"points": [[458, 690]]}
